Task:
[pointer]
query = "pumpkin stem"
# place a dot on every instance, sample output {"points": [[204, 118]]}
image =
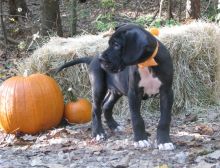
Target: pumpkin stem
{"points": [[25, 74], [71, 95]]}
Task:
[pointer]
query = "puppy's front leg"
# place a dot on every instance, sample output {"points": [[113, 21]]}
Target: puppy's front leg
{"points": [[140, 135], [163, 129]]}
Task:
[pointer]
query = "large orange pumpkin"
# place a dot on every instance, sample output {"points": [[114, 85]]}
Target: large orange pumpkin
{"points": [[79, 111], [30, 104]]}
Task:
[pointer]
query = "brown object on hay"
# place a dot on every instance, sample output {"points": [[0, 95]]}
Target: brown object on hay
{"points": [[194, 49]]}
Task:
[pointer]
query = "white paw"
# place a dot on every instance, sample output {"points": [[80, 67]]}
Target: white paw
{"points": [[166, 146], [142, 144], [99, 137], [119, 129]]}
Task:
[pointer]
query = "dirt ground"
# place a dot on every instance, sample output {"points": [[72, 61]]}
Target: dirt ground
{"points": [[196, 136]]}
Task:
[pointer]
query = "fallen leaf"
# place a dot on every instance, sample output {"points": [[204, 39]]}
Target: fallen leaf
{"points": [[10, 138], [27, 137], [204, 129], [58, 133], [162, 166], [58, 141]]}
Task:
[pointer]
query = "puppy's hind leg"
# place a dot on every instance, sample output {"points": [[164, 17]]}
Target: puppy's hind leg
{"points": [[97, 79], [110, 100]]}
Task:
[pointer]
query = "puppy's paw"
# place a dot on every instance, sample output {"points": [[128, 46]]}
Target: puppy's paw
{"points": [[166, 146], [99, 137], [142, 144], [119, 129]]}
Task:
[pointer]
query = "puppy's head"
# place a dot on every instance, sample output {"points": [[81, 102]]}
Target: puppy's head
{"points": [[129, 45]]}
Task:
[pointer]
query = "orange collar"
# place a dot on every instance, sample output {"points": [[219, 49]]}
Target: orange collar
{"points": [[150, 61]]}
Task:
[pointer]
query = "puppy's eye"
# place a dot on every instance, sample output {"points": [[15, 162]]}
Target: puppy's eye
{"points": [[116, 45]]}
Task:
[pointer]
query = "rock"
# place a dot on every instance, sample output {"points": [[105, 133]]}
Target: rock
{"points": [[146, 163], [73, 165], [155, 152], [181, 157], [213, 155], [190, 118], [55, 165], [203, 164], [124, 162], [209, 160], [37, 161], [99, 159]]}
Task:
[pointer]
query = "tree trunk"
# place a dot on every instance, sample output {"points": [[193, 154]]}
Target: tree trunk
{"points": [[193, 9], [50, 17], [169, 10], [217, 91], [160, 10], [2, 23], [17, 7], [82, 1], [219, 5], [73, 19], [180, 11]]}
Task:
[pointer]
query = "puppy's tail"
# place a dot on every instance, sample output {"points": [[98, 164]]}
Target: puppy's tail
{"points": [[85, 60]]}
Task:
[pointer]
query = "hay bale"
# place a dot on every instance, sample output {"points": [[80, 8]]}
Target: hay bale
{"points": [[59, 50], [194, 49], [217, 78]]}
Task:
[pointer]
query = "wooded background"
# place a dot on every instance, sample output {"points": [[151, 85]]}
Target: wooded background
{"points": [[21, 19]]}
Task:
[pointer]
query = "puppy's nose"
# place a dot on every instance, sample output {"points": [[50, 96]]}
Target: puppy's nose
{"points": [[103, 59]]}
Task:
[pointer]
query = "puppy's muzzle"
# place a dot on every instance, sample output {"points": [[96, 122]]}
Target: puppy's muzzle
{"points": [[110, 66]]}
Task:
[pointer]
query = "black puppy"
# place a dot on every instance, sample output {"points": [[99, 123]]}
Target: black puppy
{"points": [[125, 68]]}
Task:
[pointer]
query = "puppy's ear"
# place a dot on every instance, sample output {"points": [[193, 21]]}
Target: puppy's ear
{"points": [[136, 46], [120, 25], [126, 26]]}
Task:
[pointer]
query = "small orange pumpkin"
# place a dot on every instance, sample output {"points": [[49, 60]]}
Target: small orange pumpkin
{"points": [[30, 104], [78, 112], [155, 31]]}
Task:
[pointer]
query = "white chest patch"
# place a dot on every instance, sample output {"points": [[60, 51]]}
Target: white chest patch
{"points": [[150, 84]]}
